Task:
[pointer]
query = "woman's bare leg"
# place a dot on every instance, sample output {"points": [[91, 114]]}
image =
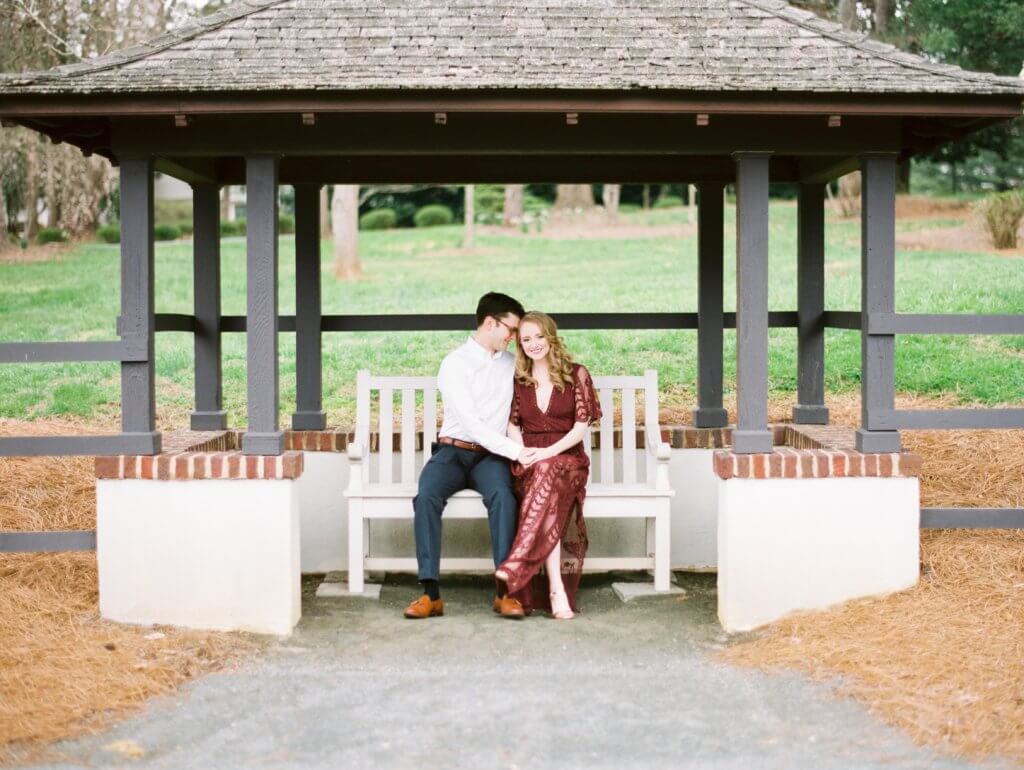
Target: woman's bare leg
{"points": [[559, 600]]}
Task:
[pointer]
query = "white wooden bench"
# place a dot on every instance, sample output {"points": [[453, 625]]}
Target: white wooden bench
{"points": [[638, 488]]}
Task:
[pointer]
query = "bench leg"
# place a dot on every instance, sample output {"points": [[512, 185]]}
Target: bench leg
{"points": [[662, 543], [355, 547]]}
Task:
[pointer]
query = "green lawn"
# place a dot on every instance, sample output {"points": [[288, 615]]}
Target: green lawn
{"points": [[410, 271]]}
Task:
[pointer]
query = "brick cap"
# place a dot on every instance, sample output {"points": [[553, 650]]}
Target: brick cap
{"points": [[186, 466], [790, 463]]}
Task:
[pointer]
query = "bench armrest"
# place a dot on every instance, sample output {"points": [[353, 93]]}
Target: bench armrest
{"points": [[356, 469], [660, 449], [661, 452]]}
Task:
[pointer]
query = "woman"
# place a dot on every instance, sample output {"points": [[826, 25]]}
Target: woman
{"points": [[553, 406]]}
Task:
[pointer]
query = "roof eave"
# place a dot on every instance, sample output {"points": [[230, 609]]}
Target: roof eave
{"points": [[989, 105]]}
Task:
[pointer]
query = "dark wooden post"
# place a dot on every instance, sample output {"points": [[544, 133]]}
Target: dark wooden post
{"points": [[263, 434], [709, 412], [209, 413], [878, 298], [751, 433], [137, 325], [810, 407], [308, 363]]}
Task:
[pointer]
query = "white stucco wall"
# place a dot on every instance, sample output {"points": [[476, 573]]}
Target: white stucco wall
{"points": [[324, 524], [804, 544], [202, 554]]}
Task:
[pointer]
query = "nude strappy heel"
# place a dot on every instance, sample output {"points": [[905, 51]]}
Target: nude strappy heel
{"points": [[561, 611]]}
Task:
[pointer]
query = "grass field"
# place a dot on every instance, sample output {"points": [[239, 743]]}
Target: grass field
{"points": [[74, 296]]}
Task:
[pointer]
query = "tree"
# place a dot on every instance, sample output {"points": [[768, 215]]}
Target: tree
{"points": [[610, 199], [984, 38], [5, 239], [513, 210], [470, 214], [39, 34], [345, 226], [574, 196]]}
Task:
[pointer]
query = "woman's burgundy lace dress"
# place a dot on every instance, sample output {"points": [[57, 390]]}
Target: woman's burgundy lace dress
{"points": [[550, 492]]}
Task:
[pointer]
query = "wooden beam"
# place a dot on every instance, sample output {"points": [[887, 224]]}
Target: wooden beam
{"points": [[188, 170], [496, 134], [560, 102]]}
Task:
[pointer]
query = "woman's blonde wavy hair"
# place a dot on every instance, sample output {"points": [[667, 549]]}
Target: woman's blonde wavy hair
{"points": [[559, 360]]}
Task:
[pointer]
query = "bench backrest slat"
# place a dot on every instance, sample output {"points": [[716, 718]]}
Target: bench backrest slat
{"points": [[650, 415], [629, 435], [408, 445], [429, 420], [409, 386], [386, 431], [605, 397]]}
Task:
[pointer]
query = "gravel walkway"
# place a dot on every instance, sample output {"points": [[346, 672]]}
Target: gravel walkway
{"points": [[623, 685]]}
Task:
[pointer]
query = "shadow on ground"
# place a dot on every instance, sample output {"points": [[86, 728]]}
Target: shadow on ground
{"points": [[622, 685]]}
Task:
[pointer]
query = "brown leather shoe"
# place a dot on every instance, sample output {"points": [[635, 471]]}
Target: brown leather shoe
{"points": [[424, 608], [509, 607]]}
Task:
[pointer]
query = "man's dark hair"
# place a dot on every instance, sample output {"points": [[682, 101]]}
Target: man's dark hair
{"points": [[495, 304]]}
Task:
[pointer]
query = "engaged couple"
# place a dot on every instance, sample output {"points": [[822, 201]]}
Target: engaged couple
{"points": [[513, 430]]}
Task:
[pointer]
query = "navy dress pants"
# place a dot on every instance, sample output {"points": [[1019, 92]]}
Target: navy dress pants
{"points": [[449, 470]]}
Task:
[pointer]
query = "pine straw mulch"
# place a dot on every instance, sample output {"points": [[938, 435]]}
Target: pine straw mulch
{"points": [[944, 660], [65, 672]]}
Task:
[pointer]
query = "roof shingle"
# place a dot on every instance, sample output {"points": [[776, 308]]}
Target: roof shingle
{"points": [[349, 45]]}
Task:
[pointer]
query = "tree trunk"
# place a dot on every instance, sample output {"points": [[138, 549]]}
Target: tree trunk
{"points": [[691, 203], [31, 188], [5, 241], [849, 194], [574, 196], [345, 226], [646, 197], [610, 198], [883, 10], [468, 237], [848, 14], [903, 176], [325, 213], [225, 203], [513, 211], [50, 189]]}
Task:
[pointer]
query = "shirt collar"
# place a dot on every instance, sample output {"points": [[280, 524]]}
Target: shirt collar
{"points": [[479, 351]]}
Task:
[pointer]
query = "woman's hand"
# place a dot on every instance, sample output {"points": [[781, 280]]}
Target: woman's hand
{"points": [[538, 455]]}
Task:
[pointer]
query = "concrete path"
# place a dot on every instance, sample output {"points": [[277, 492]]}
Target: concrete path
{"points": [[623, 685]]}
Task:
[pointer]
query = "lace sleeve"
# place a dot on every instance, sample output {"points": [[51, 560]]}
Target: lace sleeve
{"points": [[588, 409], [514, 416]]}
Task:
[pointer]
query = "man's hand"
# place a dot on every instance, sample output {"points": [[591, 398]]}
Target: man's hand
{"points": [[528, 456]]}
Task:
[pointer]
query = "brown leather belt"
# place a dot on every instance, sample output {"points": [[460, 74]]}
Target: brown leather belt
{"points": [[461, 444]]}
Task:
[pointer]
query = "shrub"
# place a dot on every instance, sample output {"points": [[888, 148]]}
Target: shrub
{"points": [[433, 215], [378, 219], [232, 228], [1002, 213], [50, 235], [185, 226], [109, 233], [668, 202], [285, 224], [489, 200], [166, 232]]}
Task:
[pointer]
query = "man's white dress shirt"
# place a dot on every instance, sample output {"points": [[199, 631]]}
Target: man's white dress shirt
{"points": [[476, 388]]}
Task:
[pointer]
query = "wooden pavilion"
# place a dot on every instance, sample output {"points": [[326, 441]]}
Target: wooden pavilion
{"points": [[312, 92]]}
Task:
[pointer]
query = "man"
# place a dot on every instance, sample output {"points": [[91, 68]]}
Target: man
{"points": [[473, 449]]}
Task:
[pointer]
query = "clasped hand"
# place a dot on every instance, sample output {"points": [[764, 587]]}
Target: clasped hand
{"points": [[531, 455]]}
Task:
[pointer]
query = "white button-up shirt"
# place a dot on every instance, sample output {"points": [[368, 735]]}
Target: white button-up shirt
{"points": [[476, 388]]}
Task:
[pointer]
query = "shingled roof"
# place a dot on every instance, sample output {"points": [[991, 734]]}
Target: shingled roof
{"points": [[352, 45]]}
